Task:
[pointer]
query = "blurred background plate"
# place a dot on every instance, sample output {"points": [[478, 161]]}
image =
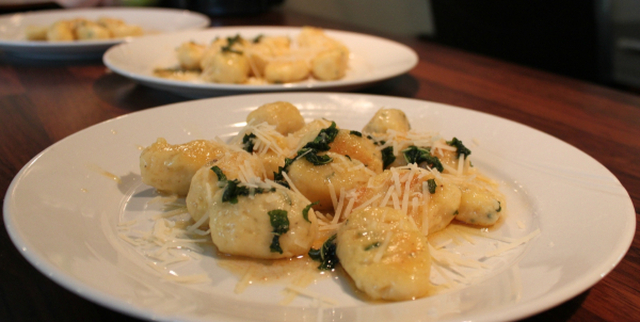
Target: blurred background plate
{"points": [[152, 21], [372, 59]]}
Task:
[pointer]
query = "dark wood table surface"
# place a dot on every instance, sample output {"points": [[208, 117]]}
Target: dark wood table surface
{"points": [[43, 102]]}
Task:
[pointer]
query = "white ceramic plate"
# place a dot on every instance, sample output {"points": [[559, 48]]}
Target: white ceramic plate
{"points": [[372, 59], [62, 212], [152, 20]]}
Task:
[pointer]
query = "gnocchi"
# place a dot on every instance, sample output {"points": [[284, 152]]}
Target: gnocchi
{"points": [[83, 29], [282, 185], [264, 59]]}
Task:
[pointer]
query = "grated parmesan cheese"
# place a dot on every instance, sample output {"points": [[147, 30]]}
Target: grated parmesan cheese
{"points": [[514, 244]]}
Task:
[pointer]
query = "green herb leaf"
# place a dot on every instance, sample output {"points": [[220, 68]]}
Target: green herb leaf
{"points": [[326, 255], [381, 142], [219, 173], [305, 211], [356, 133], [258, 38], [460, 148], [275, 245], [310, 152], [248, 142], [227, 49], [432, 185], [233, 190], [279, 221], [414, 154], [387, 156], [230, 42], [312, 156], [324, 138], [372, 246], [278, 177]]}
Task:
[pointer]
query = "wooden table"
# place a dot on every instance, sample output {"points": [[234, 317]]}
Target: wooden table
{"points": [[43, 102]]}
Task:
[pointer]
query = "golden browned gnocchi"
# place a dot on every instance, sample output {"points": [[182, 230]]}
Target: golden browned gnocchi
{"points": [[387, 119], [282, 185], [235, 164], [325, 183], [286, 71], [283, 115], [169, 168], [432, 202], [330, 64], [269, 224], [61, 31], [479, 206], [190, 54], [86, 30], [354, 145], [264, 60], [385, 254], [227, 67], [83, 29], [119, 28]]}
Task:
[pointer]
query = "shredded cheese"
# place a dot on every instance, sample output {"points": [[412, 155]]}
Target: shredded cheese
{"points": [[514, 244], [311, 294]]}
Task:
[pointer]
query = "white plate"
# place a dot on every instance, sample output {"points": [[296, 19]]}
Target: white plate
{"points": [[62, 214], [372, 59], [152, 20]]}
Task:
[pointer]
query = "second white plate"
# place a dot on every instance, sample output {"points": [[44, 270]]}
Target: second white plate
{"points": [[372, 59]]}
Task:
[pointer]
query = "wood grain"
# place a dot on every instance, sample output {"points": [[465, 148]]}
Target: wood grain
{"points": [[42, 103]]}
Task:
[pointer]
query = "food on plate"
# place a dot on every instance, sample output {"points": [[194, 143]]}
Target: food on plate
{"points": [[433, 202], [169, 168], [234, 164], [369, 199], [83, 29], [283, 115], [270, 222], [385, 253], [264, 59]]}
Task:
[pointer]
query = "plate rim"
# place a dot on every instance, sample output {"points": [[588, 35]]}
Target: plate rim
{"points": [[219, 87], [529, 308]]}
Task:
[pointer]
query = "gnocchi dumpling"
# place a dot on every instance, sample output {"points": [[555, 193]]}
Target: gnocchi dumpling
{"points": [[234, 164], [283, 115], [87, 30], [190, 55], [388, 119], [270, 224], [61, 31], [286, 71], [83, 29], [264, 59], [323, 183], [385, 254], [432, 202], [479, 206], [354, 145], [169, 168], [227, 67], [330, 64]]}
